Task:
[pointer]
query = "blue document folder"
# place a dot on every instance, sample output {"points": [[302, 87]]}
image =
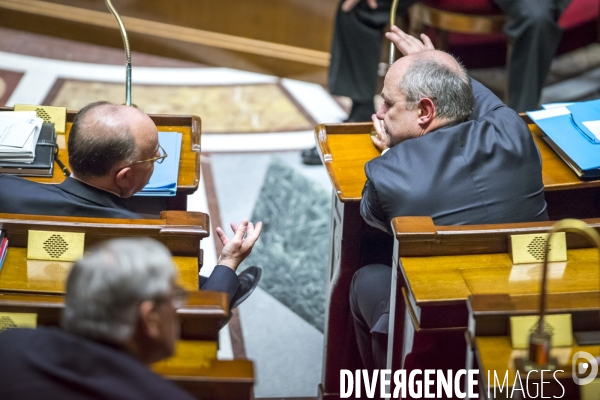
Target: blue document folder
{"points": [[163, 181], [570, 137]]}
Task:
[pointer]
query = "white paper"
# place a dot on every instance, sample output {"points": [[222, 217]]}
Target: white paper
{"points": [[549, 113], [16, 133], [555, 105], [594, 127]]}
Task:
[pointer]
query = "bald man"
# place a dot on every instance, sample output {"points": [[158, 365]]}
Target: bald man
{"points": [[451, 150], [112, 151]]}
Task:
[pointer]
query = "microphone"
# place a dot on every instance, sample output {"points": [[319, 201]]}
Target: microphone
{"points": [[127, 52], [539, 341]]}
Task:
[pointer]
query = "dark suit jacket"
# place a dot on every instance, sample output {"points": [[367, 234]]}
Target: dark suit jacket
{"points": [[70, 198], [51, 364], [484, 170], [75, 198]]}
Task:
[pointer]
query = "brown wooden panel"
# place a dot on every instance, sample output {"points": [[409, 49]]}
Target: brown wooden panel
{"points": [[180, 231], [201, 318], [289, 38], [419, 236]]}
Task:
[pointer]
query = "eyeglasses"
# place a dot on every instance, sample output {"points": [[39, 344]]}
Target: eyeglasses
{"points": [[178, 297], [158, 159]]}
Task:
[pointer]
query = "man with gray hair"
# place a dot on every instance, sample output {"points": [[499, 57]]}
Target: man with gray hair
{"points": [[451, 150], [119, 317]]}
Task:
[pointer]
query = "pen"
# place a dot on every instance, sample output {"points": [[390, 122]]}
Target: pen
{"points": [[62, 166]]}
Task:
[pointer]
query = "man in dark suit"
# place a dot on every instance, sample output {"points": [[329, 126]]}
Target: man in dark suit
{"points": [[112, 151], [119, 317], [450, 150]]}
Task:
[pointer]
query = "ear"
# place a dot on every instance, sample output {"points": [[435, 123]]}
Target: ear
{"points": [[426, 112], [124, 179], [149, 319]]}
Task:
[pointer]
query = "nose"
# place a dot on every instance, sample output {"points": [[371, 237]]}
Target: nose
{"points": [[381, 111]]}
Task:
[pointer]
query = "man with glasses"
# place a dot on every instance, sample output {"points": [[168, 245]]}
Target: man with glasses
{"points": [[112, 151], [119, 317]]}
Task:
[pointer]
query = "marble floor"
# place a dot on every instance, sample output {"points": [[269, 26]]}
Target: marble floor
{"points": [[254, 127]]}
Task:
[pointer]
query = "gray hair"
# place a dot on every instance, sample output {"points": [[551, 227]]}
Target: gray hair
{"points": [[451, 91], [106, 287]]}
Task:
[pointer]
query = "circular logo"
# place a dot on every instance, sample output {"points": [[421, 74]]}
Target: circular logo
{"points": [[582, 368]]}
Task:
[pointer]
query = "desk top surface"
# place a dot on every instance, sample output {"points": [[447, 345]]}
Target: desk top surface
{"points": [[346, 148], [452, 279], [21, 275]]}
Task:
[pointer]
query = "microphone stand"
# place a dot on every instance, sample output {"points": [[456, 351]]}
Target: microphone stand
{"points": [[392, 23], [539, 341], [127, 53]]}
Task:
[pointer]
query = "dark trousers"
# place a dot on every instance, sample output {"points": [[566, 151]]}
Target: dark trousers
{"points": [[532, 28], [535, 35], [369, 302]]}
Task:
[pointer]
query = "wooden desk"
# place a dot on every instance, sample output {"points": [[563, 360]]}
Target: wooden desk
{"points": [[189, 163], [438, 268], [345, 149], [180, 231], [489, 346]]}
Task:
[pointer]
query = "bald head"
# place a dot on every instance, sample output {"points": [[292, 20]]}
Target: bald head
{"points": [[105, 136], [438, 76]]}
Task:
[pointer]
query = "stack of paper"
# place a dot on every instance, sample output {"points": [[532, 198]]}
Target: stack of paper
{"points": [[163, 181], [19, 132], [573, 131]]}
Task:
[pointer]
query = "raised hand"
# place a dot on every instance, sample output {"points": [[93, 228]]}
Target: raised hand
{"points": [[408, 44], [382, 139], [236, 249], [350, 4]]}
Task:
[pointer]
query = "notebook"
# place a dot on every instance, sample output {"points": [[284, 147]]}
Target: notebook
{"points": [[573, 131], [43, 162]]}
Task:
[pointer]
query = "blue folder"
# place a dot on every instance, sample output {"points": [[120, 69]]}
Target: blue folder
{"points": [[163, 181], [571, 139]]}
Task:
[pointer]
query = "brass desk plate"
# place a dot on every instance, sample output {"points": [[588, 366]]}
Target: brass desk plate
{"points": [[55, 246], [557, 325], [526, 249], [17, 320], [56, 115]]}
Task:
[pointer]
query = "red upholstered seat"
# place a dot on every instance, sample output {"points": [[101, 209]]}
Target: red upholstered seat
{"points": [[579, 21]]}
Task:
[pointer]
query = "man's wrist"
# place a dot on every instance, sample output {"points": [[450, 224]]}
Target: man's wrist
{"points": [[228, 263]]}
